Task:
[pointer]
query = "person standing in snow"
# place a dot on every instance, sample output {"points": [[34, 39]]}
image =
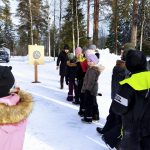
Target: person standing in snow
{"points": [[15, 108], [71, 76], [112, 128], [132, 103], [62, 64], [81, 70], [90, 88]]}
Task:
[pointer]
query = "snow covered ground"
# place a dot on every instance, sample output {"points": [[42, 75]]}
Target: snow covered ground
{"points": [[54, 123]]}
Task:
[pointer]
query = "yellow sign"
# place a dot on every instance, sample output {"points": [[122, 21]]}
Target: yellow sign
{"points": [[36, 54]]}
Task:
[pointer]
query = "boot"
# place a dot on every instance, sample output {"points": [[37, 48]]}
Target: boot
{"points": [[70, 98], [95, 117], [86, 120], [61, 85]]}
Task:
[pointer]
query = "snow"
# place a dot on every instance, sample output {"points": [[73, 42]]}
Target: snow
{"points": [[54, 123]]}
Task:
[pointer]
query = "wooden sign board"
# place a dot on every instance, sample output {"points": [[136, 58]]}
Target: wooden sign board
{"points": [[36, 54]]}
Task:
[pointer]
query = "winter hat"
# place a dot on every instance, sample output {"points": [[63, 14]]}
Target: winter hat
{"points": [[92, 47], [71, 56], [78, 51], [66, 47], [135, 61], [6, 80], [84, 49], [88, 52], [93, 58], [126, 47]]}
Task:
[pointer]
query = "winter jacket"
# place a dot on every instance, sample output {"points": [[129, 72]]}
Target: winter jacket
{"points": [[71, 71], [119, 73], [130, 102], [62, 61], [14, 110], [90, 82]]}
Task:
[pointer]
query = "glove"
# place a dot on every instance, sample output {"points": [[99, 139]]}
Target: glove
{"points": [[76, 82], [57, 67]]}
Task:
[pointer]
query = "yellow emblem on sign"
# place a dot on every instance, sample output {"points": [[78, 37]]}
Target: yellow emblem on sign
{"points": [[36, 54]]}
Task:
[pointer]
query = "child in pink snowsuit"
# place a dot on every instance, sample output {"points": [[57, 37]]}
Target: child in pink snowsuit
{"points": [[14, 110]]}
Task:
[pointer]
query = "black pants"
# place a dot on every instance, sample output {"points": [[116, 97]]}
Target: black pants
{"points": [[91, 106], [62, 81], [112, 129], [131, 142], [72, 87], [80, 95]]}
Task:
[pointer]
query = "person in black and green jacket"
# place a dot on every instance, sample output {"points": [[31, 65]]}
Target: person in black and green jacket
{"points": [[132, 102]]}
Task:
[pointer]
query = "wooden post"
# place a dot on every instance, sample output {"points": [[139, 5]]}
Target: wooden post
{"points": [[35, 73]]}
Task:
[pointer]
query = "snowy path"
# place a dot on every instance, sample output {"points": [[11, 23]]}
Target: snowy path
{"points": [[54, 123]]}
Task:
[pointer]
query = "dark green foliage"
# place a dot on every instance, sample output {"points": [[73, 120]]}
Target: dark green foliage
{"points": [[39, 24], [6, 26], [66, 34]]}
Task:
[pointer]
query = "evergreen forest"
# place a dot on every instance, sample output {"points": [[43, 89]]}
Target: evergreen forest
{"points": [[53, 23]]}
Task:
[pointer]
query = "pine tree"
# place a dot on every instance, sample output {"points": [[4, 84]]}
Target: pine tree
{"points": [[6, 26], [35, 25], [66, 35]]}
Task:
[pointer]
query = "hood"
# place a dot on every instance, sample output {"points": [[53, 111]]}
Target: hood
{"points": [[98, 68], [121, 64], [16, 113], [70, 64]]}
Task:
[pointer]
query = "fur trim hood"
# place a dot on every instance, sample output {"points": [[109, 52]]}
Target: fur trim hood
{"points": [[98, 68], [18, 112], [70, 64], [121, 64]]}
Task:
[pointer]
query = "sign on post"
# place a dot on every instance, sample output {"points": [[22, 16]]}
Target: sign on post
{"points": [[36, 57]]}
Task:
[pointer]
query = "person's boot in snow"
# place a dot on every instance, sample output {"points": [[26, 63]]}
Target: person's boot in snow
{"points": [[61, 86], [87, 120], [76, 102], [100, 130], [81, 113], [95, 117], [99, 94], [109, 147], [70, 98]]}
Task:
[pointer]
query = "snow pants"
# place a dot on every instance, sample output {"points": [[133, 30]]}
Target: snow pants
{"points": [[131, 141], [112, 129], [72, 88], [91, 106]]}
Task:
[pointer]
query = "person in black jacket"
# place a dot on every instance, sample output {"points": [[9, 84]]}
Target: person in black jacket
{"points": [[132, 103], [61, 63], [71, 77], [112, 128]]}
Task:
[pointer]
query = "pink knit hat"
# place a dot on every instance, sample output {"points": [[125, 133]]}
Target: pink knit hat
{"points": [[78, 51], [93, 58]]}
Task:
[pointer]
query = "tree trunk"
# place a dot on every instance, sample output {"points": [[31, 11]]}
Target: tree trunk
{"points": [[96, 22], [73, 38], [77, 23], [31, 22], [134, 23], [88, 19], [60, 17], [116, 25], [142, 24], [54, 29]]}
